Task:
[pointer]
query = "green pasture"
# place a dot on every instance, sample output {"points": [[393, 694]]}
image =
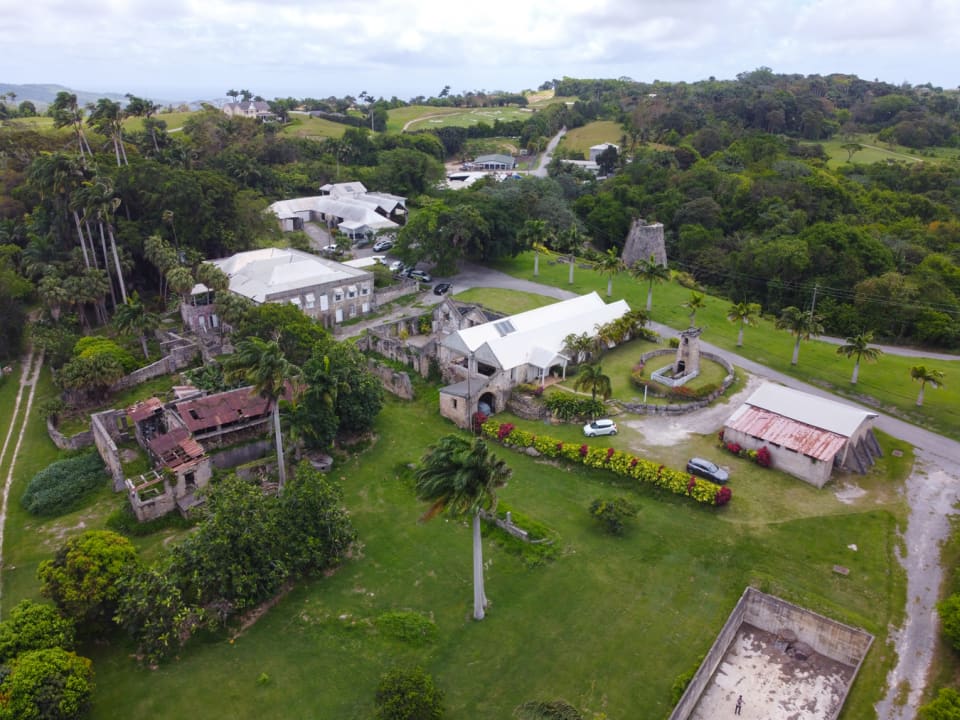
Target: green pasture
{"points": [[874, 150], [311, 127], [885, 385], [607, 625], [581, 139], [509, 302], [431, 117]]}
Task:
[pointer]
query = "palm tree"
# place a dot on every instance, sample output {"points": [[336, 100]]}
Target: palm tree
{"points": [[802, 324], [696, 302], [107, 118], [652, 272], [858, 347], [535, 234], [592, 378], [133, 318], [578, 347], [744, 313], [926, 375], [263, 365], [610, 264], [66, 111], [461, 476], [99, 198]]}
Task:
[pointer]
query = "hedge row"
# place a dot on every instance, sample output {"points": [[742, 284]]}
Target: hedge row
{"points": [[61, 486], [616, 461]]}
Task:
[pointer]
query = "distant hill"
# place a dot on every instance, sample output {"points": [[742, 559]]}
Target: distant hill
{"points": [[42, 95]]}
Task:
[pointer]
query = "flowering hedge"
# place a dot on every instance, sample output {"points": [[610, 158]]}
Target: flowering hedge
{"points": [[761, 456], [616, 461]]}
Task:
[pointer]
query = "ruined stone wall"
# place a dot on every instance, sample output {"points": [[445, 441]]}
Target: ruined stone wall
{"points": [[645, 240], [394, 381], [76, 442], [106, 433]]}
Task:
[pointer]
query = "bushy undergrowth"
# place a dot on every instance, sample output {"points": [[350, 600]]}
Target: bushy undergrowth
{"points": [[61, 486], [544, 542], [124, 522], [568, 406], [407, 625], [616, 461]]}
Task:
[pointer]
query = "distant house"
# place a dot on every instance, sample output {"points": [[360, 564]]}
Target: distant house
{"points": [[597, 150], [348, 207], [807, 435], [493, 162], [324, 289], [486, 361], [253, 109]]}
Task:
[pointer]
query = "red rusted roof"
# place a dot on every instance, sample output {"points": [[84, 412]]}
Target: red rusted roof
{"points": [[175, 447], [142, 410], [224, 408], [791, 434]]}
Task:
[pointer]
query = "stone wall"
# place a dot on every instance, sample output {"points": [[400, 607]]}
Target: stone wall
{"points": [[645, 240], [680, 408], [76, 442], [105, 427], [394, 381], [415, 351], [241, 454], [166, 365]]}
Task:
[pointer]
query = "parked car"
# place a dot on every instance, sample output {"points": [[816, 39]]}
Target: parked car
{"points": [[603, 426], [397, 267], [382, 244], [442, 288], [331, 250], [707, 470], [419, 275]]}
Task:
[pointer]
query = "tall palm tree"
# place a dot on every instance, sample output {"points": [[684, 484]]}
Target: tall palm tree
{"points": [[133, 318], [592, 378], [801, 323], [106, 116], [535, 234], [744, 313], [651, 272], [578, 347], [263, 365], [696, 302], [925, 375], [858, 347], [66, 111], [460, 475], [611, 265], [103, 204]]}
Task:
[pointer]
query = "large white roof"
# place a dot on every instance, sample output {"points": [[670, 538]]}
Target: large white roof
{"points": [[359, 212], [809, 409], [535, 337], [260, 274]]}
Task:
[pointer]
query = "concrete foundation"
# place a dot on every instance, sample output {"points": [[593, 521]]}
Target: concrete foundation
{"points": [[787, 663]]}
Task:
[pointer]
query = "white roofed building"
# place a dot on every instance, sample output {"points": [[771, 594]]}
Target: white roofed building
{"points": [[321, 288], [806, 435], [349, 207], [486, 361]]}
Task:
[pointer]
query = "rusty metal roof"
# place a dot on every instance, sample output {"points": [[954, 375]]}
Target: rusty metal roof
{"points": [[175, 447], [142, 410], [221, 409], [791, 434]]}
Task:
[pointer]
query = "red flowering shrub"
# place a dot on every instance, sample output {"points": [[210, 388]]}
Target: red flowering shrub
{"points": [[504, 431], [633, 463], [539, 391], [734, 448], [584, 449], [723, 496], [692, 484], [559, 447], [610, 452], [763, 457], [479, 419]]}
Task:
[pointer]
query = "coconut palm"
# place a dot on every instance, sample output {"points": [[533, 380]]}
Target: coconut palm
{"points": [[744, 313], [107, 116], [460, 475], [263, 365], [66, 111], [802, 324], [858, 347], [696, 302], [133, 318], [102, 205], [924, 376], [535, 234], [578, 347], [651, 272], [592, 378], [611, 265]]}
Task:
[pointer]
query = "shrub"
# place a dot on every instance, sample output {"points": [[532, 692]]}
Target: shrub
{"points": [[612, 513], [408, 694], [406, 625], [949, 611], [504, 431], [60, 487], [568, 406], [763, 458]]}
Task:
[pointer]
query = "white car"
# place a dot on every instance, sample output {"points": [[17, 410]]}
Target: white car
{"points": [[382, 244], [604, 426], [396, 266]]}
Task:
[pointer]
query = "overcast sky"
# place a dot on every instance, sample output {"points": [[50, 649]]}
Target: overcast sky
{"points": [[198, 49]]}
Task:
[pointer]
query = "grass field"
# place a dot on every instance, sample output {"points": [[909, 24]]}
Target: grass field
{"points": [[877, 151], [311, 127], [581, 139], [885, 385], [423, 117]]}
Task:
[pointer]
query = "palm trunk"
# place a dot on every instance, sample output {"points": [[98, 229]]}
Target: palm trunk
{"points": [[536, 263], [649, 297], [281, 468], [83, 244], [116, 261], [740, 336], [609, 286], [143, 345], [570, 280], [796, 352], [856, 373], [920, 396], [479, 598], [106, 264]]}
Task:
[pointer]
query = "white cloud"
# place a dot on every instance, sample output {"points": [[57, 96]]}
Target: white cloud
{"points": [[322, 47]]}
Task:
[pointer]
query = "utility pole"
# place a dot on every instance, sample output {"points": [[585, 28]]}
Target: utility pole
{"points": [[813, 303]]}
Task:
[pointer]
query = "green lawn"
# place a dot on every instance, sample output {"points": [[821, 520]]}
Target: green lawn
{"points": [[885, 385], [608, 625], [426, 117], [581, 139], [877, 151], [311, 127], [510, 302]]}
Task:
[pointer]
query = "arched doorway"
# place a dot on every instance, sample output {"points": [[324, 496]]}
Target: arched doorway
{"points": [[487, 404]]}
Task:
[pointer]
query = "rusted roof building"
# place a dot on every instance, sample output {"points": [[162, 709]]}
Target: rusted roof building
{"points": [[807, 435]]}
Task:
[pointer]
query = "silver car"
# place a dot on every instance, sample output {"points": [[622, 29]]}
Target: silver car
{"points": [[604, 426]]}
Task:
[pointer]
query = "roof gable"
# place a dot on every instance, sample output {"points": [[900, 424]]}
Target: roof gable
{"points": [[810, 409]]}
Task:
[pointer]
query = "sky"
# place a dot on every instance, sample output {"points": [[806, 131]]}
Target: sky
{"points": [[199, 49]]}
